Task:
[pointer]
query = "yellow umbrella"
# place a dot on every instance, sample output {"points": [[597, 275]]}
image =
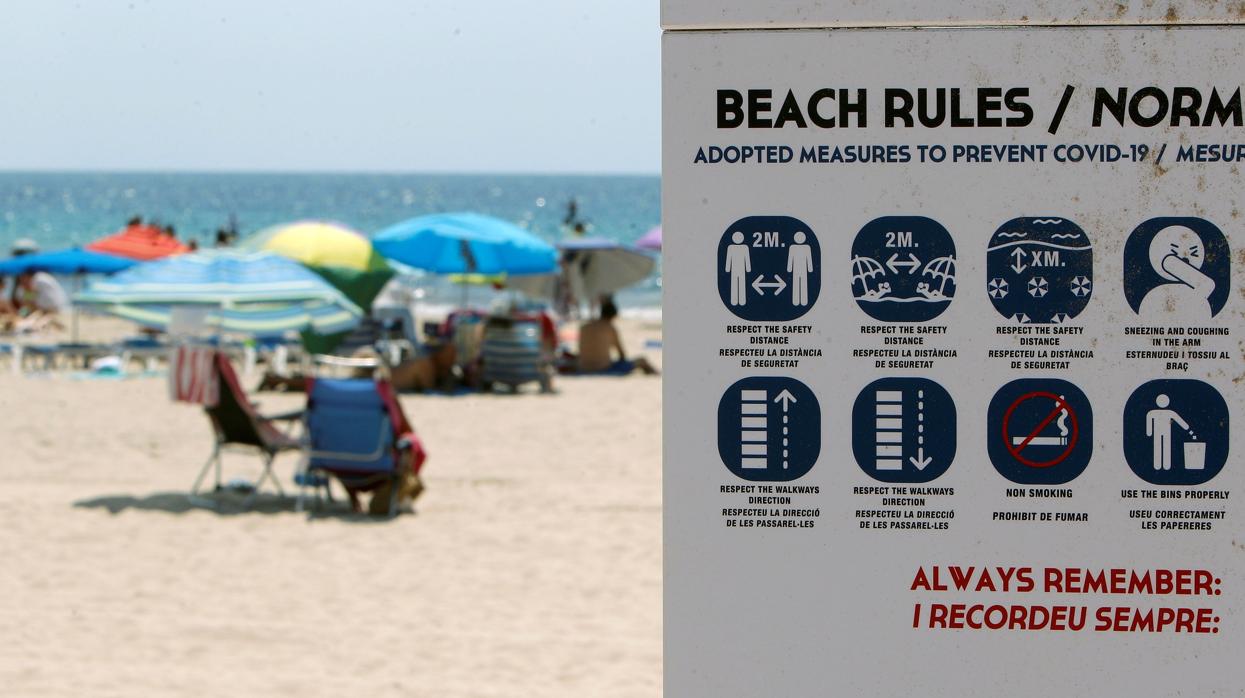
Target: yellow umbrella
{"points": [[344, 257]]}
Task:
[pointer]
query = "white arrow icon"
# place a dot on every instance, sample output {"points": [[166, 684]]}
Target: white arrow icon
{"points": [[921, 460], [778, 285], [1018, 266], [786, 398], [913, 263]]}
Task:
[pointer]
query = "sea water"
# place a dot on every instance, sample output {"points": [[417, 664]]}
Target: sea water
{"points": [[62, 209]]}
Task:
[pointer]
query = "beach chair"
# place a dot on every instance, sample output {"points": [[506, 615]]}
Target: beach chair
{"points": [[357, 433], [147, 351], [399, 338], [237, 426], [511, 354], [14, 354]]}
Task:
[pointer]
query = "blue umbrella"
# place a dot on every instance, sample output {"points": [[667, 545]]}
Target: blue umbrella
{"points": [[258, 293], [74, 260], [465, 243]]}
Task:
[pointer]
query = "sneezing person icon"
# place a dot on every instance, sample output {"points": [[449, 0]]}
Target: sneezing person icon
{"points": [[1177, 269], [1177, 254]]}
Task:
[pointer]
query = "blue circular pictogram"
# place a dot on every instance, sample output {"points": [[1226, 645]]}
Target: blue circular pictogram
{"points": [[769, 268], [769, 429], [1177, 269], [903, 430], [1040, 431], [1176, 432], [903, 269], [1039, 270]]}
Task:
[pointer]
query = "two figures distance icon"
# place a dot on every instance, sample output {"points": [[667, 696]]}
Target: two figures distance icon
{"points": [[799, 265], [768, 268]]}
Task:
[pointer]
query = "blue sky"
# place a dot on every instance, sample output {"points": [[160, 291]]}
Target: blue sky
{"points": [[366, 85]]}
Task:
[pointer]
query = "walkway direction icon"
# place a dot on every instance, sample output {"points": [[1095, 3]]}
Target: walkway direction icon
{"points": [[1176, 432], [904, 430], [903, 269], [769, 429], [1039, 270], [769, 268], [1040, 431], [1177, 269]]}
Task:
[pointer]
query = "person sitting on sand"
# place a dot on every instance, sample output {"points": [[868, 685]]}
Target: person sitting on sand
{"points": [[41, 299], [597, 341]]}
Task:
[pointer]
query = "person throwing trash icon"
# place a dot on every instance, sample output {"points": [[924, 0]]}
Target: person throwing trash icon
{"points": [[1159, 429], [738, 264], [799, 265]]}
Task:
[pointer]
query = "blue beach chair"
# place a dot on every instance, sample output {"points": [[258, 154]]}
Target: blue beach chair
{"points": [[357, 433]]}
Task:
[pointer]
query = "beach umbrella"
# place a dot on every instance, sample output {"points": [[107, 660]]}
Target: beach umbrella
{"points": [[73, 261], [650, 240], [344, 257], [139, 241], [255, 293], [604, 266], [465, 243]]}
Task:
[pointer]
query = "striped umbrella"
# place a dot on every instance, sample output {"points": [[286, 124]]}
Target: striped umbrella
{"points": [[344, 257], [256, 293]]}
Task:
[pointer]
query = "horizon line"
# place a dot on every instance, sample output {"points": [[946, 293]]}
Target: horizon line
{"points": [[261, 171]]}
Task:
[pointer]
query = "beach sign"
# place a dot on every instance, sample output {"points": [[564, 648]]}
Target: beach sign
{"points": [[953, 348]]}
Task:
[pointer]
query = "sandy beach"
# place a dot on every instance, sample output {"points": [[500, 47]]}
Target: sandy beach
{"points": [[532, 566]]}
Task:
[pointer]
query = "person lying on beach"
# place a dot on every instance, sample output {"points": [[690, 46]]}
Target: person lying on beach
{"points": [[598, 340]]}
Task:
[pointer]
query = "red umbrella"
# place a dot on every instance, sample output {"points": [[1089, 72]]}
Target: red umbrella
{"points": [[140, 241]]}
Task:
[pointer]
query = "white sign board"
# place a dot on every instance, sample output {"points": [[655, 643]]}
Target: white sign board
{"points": [[953, 361]]}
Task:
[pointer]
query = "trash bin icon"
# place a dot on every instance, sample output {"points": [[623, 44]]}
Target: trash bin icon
{"points": [[1194, 455]]}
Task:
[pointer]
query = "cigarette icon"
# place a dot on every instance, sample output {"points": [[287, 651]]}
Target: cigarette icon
{"points": [[1041, 441], [1061, 440]]}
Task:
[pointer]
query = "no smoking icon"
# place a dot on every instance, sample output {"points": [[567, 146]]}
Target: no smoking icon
{"points": [[1040, 431]]}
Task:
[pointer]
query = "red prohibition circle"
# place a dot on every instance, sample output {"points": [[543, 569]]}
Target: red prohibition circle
{"points": [[1060, 404]]}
